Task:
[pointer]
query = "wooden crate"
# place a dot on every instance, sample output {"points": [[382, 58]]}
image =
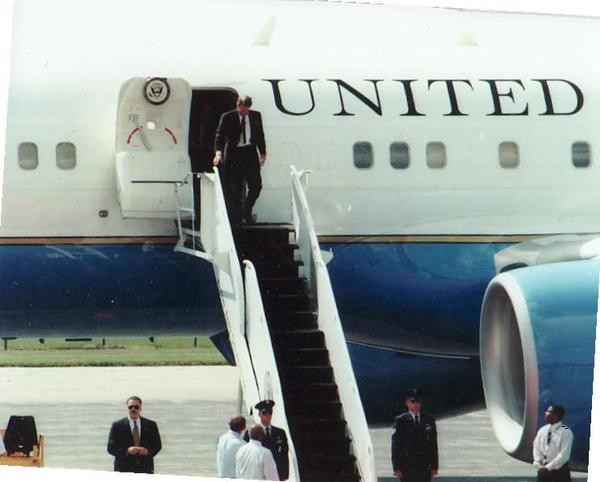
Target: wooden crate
{"points": [[35, 459]]}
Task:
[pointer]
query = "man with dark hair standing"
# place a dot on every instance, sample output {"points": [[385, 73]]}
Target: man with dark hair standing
{"points": [[134, 440], [239, 141], [552, 447], [228, 446], [414, 442]]}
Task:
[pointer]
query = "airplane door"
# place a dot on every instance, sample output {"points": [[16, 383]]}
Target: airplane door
{"points": [[152, 146]]}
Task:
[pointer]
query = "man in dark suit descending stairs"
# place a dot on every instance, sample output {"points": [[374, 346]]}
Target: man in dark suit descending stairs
{"points": [[239, 141]]}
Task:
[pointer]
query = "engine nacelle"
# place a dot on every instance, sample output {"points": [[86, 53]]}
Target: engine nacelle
{"points": [[537, 338]]}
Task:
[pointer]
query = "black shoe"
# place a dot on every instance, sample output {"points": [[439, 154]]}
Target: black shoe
{"points": [[249, 219]]}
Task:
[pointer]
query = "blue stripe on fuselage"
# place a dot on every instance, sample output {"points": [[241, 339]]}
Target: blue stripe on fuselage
{"points": [[420, 297], [99, 290], [413, 296]]}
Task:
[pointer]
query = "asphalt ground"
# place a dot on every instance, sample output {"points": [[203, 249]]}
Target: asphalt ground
{"points": [[74, 407]]}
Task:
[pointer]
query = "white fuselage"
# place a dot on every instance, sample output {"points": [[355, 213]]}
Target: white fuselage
{"points": [[70, 58]]}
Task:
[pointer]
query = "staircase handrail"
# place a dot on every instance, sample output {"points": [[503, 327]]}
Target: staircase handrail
{"points": [[263, 360], [219, 248], [329, 323]]}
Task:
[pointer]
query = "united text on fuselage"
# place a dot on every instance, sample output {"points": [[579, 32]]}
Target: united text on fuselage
{"points": [[507, 97]]}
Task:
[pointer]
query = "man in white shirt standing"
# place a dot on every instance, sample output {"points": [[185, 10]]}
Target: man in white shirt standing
{"points": [[253, 461], [228, 446], [552, 447]]}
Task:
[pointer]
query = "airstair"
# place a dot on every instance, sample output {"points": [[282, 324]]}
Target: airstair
{"points": [[285, 332], [279, 308]]}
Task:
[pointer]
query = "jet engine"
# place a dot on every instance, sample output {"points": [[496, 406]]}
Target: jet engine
{"points": [[537, 337]]}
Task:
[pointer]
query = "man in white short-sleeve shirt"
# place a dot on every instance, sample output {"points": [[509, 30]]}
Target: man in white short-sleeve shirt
{"points": [[253, 461], [228, 446]]}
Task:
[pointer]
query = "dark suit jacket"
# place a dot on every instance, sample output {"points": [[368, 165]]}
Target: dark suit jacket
{"points": [[414, 446], [229, 130], [120, 439], [278, 445]]}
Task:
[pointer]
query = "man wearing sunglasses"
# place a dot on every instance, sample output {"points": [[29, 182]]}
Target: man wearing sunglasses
{"points": [[134, 440], [414, 442]]}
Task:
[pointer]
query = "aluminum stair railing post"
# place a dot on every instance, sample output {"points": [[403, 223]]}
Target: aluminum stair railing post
{"points": [[216, 230]]}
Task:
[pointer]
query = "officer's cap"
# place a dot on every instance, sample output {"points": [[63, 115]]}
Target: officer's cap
{"points": [[265, 405], [413, 394]]}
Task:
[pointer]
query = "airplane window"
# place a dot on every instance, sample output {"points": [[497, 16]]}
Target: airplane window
{"points": [[65, 155], [399, 155], [436, 155], [28, 155], [363, 155], [582, 154], [508, 152]]}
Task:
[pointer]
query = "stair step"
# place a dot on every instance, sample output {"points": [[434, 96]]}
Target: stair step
{"points": [[266, 251], [302, 408], [323, 392], [277, 268], [303, 357], [329, 477], [317, 427], [291, 285], [307, 374], [298, 339], [314, 446], [286, 321], [282, 233], [327, 463], [292, 302]]}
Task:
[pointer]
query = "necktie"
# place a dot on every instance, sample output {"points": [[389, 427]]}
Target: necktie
{"points": [[417, 421], [268, 429], [136, 434], [548, 438], [243, 126]]}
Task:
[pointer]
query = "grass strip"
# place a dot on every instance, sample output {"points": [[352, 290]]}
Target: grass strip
{"points": [[111, 352]]}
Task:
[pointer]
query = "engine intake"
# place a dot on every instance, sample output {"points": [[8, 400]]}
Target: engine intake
{"points": [[537, 339]]}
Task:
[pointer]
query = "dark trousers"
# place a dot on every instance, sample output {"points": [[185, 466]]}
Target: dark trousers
{"points": [[559, 475], [416, 474], [242, 168]]}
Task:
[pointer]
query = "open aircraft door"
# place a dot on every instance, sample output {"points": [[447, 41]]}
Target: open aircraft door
{"points": [[152, 146]]}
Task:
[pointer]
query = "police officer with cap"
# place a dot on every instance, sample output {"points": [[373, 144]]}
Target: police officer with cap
{"points": [[414, 442], [275, 438]]}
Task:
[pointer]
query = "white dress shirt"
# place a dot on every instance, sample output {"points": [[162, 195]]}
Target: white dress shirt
{"points": [[247, 129], [139, 426], [555, 453], [227, 447], [255, 462], [416, 416]]}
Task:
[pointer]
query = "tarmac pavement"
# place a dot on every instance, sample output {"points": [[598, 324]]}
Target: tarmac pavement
{"points": [[74, 407]]}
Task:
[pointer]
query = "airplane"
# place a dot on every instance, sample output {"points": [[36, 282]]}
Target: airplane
{"points": [[453, 186]]}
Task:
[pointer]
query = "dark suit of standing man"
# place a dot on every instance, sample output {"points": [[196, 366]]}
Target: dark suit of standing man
{"points": [[275, 438], [414, 442], [134, 440], [239, 141]]}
